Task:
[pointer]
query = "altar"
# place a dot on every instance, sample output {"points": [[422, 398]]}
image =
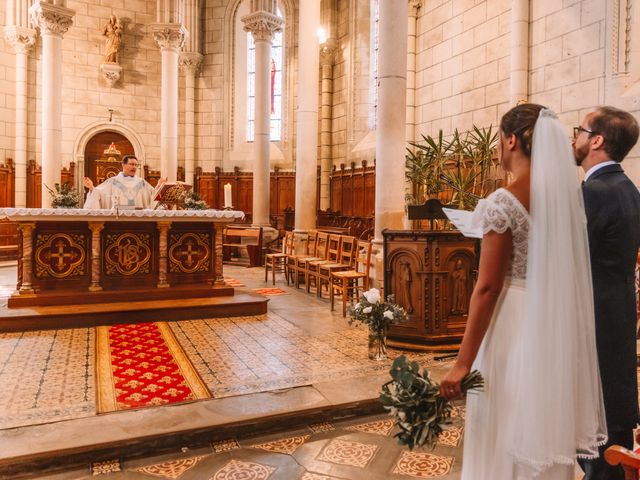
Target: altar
{"points": [[77, 256]]}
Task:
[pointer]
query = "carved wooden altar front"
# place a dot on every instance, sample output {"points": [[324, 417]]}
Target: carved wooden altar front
{"points": [[431, 274], [88, 256]]}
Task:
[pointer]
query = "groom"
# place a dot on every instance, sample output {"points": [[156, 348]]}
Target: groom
{"points": [[612, 205]]}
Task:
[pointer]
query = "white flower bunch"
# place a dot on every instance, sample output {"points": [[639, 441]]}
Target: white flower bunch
{"points": [[374, 312]]}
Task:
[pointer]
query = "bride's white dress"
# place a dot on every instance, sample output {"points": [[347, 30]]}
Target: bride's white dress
{"points": [[486, 448]]}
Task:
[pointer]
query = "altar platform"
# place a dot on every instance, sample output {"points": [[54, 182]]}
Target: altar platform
{"points": [[81, 268]]}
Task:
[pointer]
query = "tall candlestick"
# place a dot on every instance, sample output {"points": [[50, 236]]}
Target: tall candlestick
{"points": [[227, 196]]}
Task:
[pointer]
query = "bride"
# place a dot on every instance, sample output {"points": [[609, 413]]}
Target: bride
{"points": [[530, 329]]}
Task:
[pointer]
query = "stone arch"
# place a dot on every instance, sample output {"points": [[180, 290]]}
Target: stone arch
{"points": [[104, 126]]}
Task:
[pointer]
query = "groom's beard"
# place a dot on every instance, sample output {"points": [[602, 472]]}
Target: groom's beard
{"points": [[579, 154]]}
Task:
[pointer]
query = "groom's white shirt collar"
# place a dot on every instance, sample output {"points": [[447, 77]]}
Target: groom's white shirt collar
{"points": [[597, 167]]}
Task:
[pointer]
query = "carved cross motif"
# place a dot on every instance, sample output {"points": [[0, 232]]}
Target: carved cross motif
{"points": [[60, 255]]}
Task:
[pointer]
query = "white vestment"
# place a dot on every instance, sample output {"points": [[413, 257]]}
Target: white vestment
{"points": [[123, 191]]}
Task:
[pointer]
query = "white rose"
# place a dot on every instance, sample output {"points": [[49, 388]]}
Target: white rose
{"points": [[367, 310], [357, 305], [388, 314], [372, 296]]}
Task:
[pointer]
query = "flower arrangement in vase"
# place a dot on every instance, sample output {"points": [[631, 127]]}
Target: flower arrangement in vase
{"points": [[371, 310]]}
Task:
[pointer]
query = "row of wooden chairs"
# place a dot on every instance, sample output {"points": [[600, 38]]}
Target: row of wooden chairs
{"points": [[338, 263]]}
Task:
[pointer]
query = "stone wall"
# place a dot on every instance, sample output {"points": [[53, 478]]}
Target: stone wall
{"points": [[463, 62]]}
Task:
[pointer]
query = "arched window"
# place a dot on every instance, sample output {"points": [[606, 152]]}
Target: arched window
{"points": [[276, 87]]}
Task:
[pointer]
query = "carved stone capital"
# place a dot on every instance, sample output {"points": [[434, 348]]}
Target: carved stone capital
{"points": [[170, 36], [20, 38], [190, 62], [262, 25], [51, 19], [414, 7], [328, 52], [111, 72]]}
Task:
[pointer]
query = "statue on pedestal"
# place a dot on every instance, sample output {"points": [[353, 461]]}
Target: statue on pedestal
{"points": [[113, 31]]}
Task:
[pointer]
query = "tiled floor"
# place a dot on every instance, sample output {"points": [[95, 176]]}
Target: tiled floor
{"points": [[359, 448], [50, 375]]}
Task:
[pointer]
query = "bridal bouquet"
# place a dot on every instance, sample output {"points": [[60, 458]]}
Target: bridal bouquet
{"points": [[374, 312], [414, 400]]}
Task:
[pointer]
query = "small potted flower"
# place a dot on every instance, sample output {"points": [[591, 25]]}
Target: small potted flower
{"points": [[376, 314], [64, 196]]}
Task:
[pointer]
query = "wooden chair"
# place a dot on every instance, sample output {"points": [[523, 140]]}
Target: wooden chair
{"points": [[277, 261], [346, 283], [630, 462], [345, 262], [311, 268], [295, 261], [320, 253]]}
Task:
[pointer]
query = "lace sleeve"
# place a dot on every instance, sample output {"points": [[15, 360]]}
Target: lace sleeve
{"points": [[490, 215]]}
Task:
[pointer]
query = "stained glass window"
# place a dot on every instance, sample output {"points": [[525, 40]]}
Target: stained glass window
{"points": [[275, 91]]}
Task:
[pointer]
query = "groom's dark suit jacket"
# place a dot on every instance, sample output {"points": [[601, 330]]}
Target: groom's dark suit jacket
{"points": [[612, 204]]}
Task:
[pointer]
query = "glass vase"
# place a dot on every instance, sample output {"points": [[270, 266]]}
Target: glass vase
{"points": [[377, 345]]}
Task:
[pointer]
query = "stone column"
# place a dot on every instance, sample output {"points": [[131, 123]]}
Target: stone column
{"points": [[307, 118], [190, 63], [170, 38], [390, 135], [391, 121], [519, 87], [53, 22], [22, 40], [96, 256], [327, 58], [27, 255], [163, 228], [263, 23], [414, 10]]}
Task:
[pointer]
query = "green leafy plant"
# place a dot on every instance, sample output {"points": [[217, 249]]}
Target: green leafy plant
{"points": [[64, 196], [459, 170], [374, 313], [193, 201], [413, 398]]}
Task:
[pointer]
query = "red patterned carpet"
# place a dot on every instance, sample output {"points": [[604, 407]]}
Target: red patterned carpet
{"points": [[270, 291], [143, 365], [232, 282]]}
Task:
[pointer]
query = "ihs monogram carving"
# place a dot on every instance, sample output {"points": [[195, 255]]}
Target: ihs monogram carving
{"points": [[262, 25]]}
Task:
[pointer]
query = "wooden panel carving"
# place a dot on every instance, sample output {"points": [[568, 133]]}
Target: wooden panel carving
{"points": [[34, 182], [353, 190], [431, 275]]}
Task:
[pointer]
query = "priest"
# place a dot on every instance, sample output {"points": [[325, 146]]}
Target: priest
{"points": [[124, 190]]}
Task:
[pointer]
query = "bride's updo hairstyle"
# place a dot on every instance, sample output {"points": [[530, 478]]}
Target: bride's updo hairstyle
{"points": [[520, 121]]}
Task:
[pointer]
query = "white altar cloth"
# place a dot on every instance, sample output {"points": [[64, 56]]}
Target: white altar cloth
{"points": [[127, 215]]}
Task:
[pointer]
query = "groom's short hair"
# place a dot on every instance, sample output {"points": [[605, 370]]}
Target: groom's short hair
{"points": [[126, 159], [619, 129]]}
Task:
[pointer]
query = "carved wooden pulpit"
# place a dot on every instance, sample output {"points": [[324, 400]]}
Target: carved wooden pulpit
{"points": [[431, 274]]}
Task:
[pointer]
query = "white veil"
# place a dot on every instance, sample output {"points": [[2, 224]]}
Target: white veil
{"points": [[559, 411]]}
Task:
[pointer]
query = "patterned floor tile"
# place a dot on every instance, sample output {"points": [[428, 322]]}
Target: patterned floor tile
{"points": [[459, 412], [225, 445], [172, 469], [270, 291], [316, 476], [451, 437], [379, 427], [105, 468], [285, 445], [238, 469], [343, 452], [321, 427], [422, 465]]}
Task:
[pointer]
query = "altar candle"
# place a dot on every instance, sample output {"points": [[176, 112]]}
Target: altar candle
{"points": [[227, 196]]}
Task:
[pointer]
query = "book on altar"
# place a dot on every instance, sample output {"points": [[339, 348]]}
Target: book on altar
{"points": [[171, 192], [462, 220]]}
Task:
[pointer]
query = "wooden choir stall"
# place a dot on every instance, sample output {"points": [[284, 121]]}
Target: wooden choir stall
{"points": [[431, 274], [89, 257]]}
